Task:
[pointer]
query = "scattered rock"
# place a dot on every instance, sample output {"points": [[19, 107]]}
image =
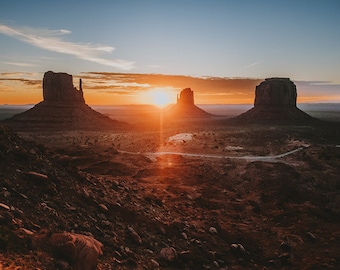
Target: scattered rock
{"points": [[184, 235], [135, 236], [285, 246], [154, 263], [103, 207], [213, 230], [238, 248], [169, 254], [311, 236], [25, 231], [284, 258], [4, 206], [37, 177]]}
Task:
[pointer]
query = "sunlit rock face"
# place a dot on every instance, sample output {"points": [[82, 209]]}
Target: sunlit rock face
{"points": [[59, 87], [276, 92], [63, 108], [185, 107], [186, 97], [275, 103]]}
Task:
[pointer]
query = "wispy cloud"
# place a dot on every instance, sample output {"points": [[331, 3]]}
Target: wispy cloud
{"points": [[25, 81], [52, 40], [26, 78], [20, 64], [251, 65]]}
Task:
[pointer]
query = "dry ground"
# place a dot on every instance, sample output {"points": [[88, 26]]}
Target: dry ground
{"points": [[216, 213]]}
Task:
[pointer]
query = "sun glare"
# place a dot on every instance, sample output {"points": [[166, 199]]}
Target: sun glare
{"points": [[159, 97]]}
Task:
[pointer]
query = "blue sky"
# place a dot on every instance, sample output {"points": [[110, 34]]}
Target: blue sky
{"points": [[244, 39]]}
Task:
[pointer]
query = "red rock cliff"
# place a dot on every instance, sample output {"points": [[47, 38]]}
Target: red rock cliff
{"points": [[59, 87]]}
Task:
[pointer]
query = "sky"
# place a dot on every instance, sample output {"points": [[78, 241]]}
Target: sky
{"points": [[127, 50]]}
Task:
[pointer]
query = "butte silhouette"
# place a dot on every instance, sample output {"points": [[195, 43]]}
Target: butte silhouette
{"points": [[63, 108], [185, 107], [275, 102]]}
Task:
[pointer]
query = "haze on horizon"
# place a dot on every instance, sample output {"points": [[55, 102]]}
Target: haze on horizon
{"points": [[129, 51]]}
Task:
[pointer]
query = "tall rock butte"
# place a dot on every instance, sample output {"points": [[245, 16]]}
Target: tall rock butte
{"points": [[185, 107], [275, 101], [59, 87], [63, 108]]}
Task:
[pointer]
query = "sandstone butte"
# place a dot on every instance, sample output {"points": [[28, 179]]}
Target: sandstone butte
{"points": [[185, 107], [275, 102], [63, 108]]}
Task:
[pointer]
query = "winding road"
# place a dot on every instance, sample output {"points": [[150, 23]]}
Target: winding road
{"points": [[247, 158]]}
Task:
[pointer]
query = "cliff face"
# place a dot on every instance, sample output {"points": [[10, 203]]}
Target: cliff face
{"points": [[63, 108], [186, 97], [276, 92], [275, 102], [59, 87]]}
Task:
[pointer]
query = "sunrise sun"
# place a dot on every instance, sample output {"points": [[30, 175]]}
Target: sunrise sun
{"points": [[159, 97]]}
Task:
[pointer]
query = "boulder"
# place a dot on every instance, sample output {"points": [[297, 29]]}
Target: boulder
{"points": [[80, 251]]}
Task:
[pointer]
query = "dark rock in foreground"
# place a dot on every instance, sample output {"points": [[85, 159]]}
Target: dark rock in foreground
{"points": [[63, 108], [185, 107], [81, 251], [275, 102]]}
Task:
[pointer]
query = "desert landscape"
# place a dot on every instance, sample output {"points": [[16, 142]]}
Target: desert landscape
{"points": [[176, 188]]}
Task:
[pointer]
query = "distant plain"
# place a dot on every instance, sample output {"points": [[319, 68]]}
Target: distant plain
{"points": [[136, 113]]}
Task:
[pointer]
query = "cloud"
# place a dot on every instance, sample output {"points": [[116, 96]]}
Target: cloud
{"points": [[20, 64], [20, 77], [25, 81], [251, 65], [51, 40], [206, 89]]}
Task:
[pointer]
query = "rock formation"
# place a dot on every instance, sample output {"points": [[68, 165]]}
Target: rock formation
{"points": [[276, 92], [185, 107], [275, 101], [186, 97], [63, 108], [59, 87]]}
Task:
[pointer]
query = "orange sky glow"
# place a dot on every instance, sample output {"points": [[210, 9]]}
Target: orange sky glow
{"points": [[103, 88]]}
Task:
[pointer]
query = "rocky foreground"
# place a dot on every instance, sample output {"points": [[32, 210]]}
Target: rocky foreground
{"points": [[87, 206]]}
